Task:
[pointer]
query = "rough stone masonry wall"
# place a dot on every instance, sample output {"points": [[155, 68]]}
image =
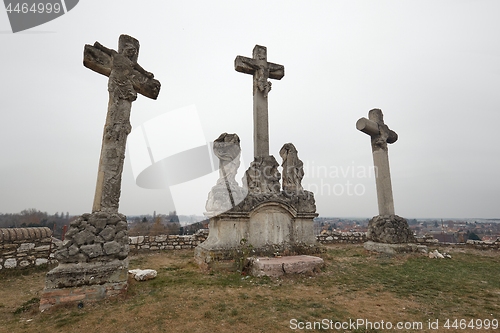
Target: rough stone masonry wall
{"points": [[167, 242], [24, 247], [96, 237], [337, 237], [176, 242]]}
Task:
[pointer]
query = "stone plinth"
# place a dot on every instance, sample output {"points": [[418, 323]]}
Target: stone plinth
{"points": [[391, 234], [390, 229], [276, 267], [82, 274], [93, 259], [60, 296], [263, 225], [394, 248]]}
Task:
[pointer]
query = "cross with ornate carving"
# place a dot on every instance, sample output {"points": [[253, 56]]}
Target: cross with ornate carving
{"points": [[126, 79], [261, 71], [380, 135]]}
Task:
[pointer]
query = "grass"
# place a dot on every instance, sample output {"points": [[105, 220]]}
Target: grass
{"points": [[355, 284]]}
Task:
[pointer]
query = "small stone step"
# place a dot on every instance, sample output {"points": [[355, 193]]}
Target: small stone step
{"points": [[279, 266]]}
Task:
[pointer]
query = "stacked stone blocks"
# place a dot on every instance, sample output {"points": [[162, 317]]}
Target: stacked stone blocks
{"points": [[95, 237], [168, 242], [93, 261], [341, 237]]}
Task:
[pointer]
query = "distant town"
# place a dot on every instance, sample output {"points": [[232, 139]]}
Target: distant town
{"points": [[450, 230], [445, 230]]}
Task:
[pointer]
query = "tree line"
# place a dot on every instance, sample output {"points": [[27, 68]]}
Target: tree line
{"points": [[162, 224], [141, 225], [33, 217]]}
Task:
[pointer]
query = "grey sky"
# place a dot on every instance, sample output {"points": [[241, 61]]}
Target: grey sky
{"points": [[433, 67]]}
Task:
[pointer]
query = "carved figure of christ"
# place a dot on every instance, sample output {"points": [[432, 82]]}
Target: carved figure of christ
{"points": [[262, 70], [126, 79], [380, 135]]}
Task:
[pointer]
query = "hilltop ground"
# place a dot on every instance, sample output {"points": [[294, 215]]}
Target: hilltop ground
{"points": [[354, 285]]}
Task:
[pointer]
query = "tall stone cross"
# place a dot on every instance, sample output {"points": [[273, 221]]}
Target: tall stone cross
{"points": [[261, 71], [380, 135], [126, 79]]}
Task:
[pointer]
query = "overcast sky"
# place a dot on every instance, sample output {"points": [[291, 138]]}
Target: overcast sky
{"points": [[433, 67]]}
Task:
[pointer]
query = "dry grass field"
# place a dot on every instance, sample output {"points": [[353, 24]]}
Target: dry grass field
{"points": [[354, 285]]}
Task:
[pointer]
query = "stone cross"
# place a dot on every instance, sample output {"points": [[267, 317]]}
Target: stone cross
{"points": [[126, 79], [261, 71], [380, 135]]}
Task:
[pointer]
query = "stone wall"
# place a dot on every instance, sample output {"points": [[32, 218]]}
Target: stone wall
{"points": [[167, 242], [24, 247], [176, 242], [335, 237], [479, 245]]}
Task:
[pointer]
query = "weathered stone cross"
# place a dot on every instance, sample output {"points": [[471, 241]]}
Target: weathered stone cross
{"points": [[380, 135], [261, 71], [126, 79]]}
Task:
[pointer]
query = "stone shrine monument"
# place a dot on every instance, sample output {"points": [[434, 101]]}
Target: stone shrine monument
{"points": [[386, 229], [263, 217], [93, 260]]}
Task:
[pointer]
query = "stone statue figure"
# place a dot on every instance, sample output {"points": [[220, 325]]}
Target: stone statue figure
{"points": [[293, 169], [227, 193], [263, 176], [227, 149]]}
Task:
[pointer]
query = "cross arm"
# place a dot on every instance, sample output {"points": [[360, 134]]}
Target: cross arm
{"points": [[99, 61], [367, 126], [372, 129], [104, 49], [143, 71], [276, 71], [245, 65], [249, 66], [145, 85]]}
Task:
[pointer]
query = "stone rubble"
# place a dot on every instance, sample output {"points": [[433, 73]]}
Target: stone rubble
{"points": [[436, 255]]}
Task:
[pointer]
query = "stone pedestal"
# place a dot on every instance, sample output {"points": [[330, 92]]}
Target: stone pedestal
{"points": [[93, 261], [394, 248], [392, 229], [390, 234], [258, 219], [261, 225]]}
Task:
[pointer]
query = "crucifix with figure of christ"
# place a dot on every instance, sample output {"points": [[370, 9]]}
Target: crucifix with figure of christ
{"points": [[126, 79], [262, 70], [380, 135]]}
